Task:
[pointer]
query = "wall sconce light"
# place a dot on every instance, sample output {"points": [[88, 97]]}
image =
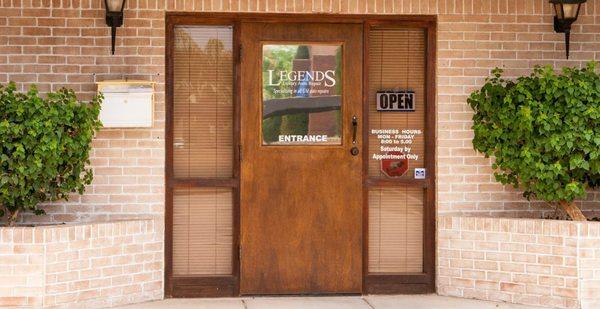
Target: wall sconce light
{"points": [[566, 13], [114, 17]]}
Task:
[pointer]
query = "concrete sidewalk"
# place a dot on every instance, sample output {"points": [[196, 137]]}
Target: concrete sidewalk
{"points": [[326, 302]]}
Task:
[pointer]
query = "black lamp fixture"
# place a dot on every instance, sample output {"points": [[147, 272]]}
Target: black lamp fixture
{"points": [[114, 17], [566, 13]]}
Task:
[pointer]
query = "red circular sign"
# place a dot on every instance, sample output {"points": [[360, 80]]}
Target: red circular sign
{"points": [[394, 167]]}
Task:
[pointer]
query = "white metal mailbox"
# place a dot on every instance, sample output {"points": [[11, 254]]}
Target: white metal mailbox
{"points": [[127, 103]]}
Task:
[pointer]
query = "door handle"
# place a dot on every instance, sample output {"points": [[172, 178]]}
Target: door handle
{"points": [[354, 129], [354, 150]]}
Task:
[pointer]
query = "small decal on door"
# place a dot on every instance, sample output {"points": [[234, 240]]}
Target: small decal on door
{"points": [[420, 173]]}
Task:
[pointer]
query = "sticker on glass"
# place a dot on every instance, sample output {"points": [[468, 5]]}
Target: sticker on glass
{"points": [[420, 173], [301, 94], [395, 164]]}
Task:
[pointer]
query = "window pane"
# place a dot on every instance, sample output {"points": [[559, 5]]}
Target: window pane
{"points": [[396, 229], [397, 138], [202, 231], [301, 92], [203, 102]]}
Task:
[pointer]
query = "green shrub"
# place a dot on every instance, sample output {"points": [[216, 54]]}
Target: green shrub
{"points": [[543, 131], [45, 147]]}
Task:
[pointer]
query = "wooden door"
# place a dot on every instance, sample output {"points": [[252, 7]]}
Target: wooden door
{"points": [[301, 187]]}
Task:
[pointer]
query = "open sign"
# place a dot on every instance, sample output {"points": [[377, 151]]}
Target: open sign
{"points": [[396, 101]]}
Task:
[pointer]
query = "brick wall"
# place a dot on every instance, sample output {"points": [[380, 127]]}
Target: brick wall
{"points": [[66, 43], [589, 265], [83, 266], [56, 43], [532, 262], [22, 264]]}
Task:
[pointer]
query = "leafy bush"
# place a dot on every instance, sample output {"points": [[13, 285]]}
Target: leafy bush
{"points": [[543, 131], [45, 146]]}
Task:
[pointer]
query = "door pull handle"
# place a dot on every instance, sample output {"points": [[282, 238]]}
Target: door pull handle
{"points": [[354, 150]]}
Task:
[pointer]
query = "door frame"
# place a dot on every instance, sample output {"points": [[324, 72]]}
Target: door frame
{"points": [[381, 283]]}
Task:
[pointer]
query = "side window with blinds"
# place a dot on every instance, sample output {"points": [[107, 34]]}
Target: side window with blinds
{"points": [[396, 229], [397, 65], [203, 97], [202, 150]]}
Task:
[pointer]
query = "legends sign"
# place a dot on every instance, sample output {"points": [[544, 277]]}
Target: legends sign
{"points": [[396, 101], [302, 94]]}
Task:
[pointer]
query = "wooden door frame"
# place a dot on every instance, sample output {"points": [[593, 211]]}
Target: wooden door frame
{"points": [[224, 286]]}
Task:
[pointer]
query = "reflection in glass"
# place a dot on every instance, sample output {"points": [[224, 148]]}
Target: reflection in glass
{"points": [[302, 89]]}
